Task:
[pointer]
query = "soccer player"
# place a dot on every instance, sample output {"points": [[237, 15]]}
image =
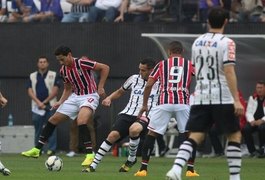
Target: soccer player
{"points": [[216, 99], [127, 122], [79, 100], [3, 169], [174, 75]]}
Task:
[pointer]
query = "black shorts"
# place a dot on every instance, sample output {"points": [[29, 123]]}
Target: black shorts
{"points": [[202, 118], [123, 123]]}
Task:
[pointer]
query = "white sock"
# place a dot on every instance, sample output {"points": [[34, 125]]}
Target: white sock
{"points": [[103, 149], [233, 153], [133, 145]]}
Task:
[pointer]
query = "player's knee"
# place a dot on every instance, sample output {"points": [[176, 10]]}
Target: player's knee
{"points": [[234, 137], [135, 130], [113, 136]]}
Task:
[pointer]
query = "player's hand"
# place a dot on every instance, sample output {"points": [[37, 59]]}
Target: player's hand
{"points": [[239, 109], [101, 92], [56, 105], [142, 110], [106, 102]]}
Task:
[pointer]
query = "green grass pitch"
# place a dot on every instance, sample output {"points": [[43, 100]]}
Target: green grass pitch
{"points": [[209, 169]]}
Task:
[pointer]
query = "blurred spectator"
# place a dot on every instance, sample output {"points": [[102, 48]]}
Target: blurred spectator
{"points": [[255, 115], [3, 11], [175, 9], [235, 8], [79, 11], [134, 11], [262, 16], [104, 10], [22, 10], [50, 11], [250, 10], [189, 11], [205, 6], [226, 4]]}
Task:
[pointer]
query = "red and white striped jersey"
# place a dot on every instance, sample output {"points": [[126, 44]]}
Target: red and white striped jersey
{"points": [[80, 76], [174, 75], [210, 53]]}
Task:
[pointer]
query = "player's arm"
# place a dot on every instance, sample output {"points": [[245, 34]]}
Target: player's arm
{"points": [[115, 95], [3, 100], [147, 92], [230, 75], [103, 70], [66, 93]]}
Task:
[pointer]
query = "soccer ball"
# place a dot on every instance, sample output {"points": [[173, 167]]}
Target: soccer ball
{"points": [[54, 163]]}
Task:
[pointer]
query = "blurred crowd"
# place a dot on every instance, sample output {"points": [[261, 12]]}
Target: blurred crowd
{"points": [[127, 10]]}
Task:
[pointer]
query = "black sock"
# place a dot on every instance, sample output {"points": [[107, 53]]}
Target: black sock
{"points": [[147, 150], [190, 163], [85, 138], [45, 134]]}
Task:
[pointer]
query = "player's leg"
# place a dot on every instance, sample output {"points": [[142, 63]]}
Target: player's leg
{"points": [[199, 121], [52, 141], [138, 127], [146, 153], [157, 125], [233, 154], [228, 123], [182, 116], [184, 154], [92, 132], [103, 149], [45, 134], [120, 130], [85, 116], [4, 170]]}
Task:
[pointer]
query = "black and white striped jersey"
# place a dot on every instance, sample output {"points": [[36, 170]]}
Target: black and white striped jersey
{"points": [[210, 53], [136, 84]]}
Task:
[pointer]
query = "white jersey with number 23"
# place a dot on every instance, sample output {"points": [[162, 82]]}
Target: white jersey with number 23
{"points": [[210, 53]]}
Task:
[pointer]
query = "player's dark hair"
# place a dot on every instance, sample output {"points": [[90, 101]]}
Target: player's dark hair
{"points": [[62, 50], [217, 17], [149, 62], [175, 47]]}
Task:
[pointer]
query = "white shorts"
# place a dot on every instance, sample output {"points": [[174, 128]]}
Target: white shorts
{"points": [[72, 105], [161, 115]]}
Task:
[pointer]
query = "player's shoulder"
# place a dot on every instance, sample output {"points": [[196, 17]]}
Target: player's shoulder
{"points": [[226, 39], [134, 76]]}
